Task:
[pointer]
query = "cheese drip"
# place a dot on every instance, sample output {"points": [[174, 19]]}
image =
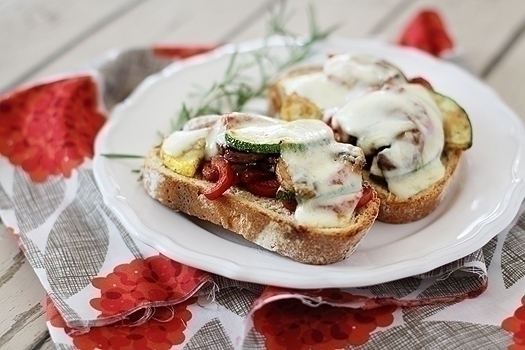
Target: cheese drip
{"points": [[342, 78], [180, 142], [325, 170], [404, 126]]}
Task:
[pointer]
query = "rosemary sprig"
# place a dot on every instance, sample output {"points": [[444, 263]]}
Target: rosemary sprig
{"points": [[299, 53], [120, 155], [124, 156], [237, 88]]}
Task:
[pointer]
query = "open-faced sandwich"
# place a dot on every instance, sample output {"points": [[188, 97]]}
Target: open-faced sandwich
{"points": [[286, 186], [412, 136]]}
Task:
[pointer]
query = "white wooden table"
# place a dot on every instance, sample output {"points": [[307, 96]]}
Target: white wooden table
{"points": [[39, 38]]}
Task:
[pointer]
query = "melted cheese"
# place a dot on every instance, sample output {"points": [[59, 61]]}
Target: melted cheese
{"points": [[180, 142], [405, 125], [343, 78], [318, 89], [327, 212], [302, 131], [360, 69], [324, 170]]}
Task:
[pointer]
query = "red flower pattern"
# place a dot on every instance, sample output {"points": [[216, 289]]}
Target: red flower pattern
{"points": [[427, 32], [163, 330], [180, 51], [54, 317], [516, 325], [290, 324], [49, 128], [156, 280]]}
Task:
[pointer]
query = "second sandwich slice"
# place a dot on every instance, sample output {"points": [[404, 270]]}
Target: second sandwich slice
{"points": [[412, 136], [286, 186]]}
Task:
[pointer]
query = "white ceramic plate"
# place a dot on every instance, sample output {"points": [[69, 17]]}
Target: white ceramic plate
{"points": [[484, 200]]}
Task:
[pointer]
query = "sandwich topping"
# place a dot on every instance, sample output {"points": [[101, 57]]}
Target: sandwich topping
{"points": [[400, 129], [342, 78], [298, 162]]}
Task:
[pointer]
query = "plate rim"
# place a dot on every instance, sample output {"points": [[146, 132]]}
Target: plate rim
{"points": [[511, 204]]}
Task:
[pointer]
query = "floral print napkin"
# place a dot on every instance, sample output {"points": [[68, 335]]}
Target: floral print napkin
{"points": [[107, 290]]}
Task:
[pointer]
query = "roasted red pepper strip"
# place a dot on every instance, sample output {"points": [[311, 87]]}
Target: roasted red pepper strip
{"points": [[365, 198], [265, 188], [225, 181]]}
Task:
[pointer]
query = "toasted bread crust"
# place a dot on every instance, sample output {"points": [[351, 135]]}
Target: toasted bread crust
{"points": [[399, 211], [260, 220]]}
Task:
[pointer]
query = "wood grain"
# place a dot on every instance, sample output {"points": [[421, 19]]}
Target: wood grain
{"points": [[155, 21], [44, 37], [22, 321], [508, 77], [355, 18], [37, 32]]}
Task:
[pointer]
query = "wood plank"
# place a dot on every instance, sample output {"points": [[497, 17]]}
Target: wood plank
{"points": [[356, 18], [47, 344], [177, 21], [508, 77], [22, 321], [39, 30], [11, 258], [29, 330], [472, 23]]}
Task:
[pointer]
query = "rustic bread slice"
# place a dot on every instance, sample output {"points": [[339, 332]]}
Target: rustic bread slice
{"points": [[260, 220], [398, 211], [392, 209]]}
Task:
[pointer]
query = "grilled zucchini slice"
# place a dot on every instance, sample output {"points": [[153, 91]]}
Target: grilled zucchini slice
{"points": [[456, 123]]}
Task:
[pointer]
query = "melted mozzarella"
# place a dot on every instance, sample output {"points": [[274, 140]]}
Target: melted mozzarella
{"points": [[180, 142], [405, 120], [325, 171], [407, 185], [295, 132], [318, 89], [343, 78], [327, 212], [360, 69]]}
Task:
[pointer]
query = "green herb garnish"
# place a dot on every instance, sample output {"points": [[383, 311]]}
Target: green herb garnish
{"points": [[236, 88], [119, 155], [125, 156]]}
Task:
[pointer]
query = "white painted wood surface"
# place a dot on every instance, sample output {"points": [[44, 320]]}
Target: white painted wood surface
{"points": [[43, 37]]}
